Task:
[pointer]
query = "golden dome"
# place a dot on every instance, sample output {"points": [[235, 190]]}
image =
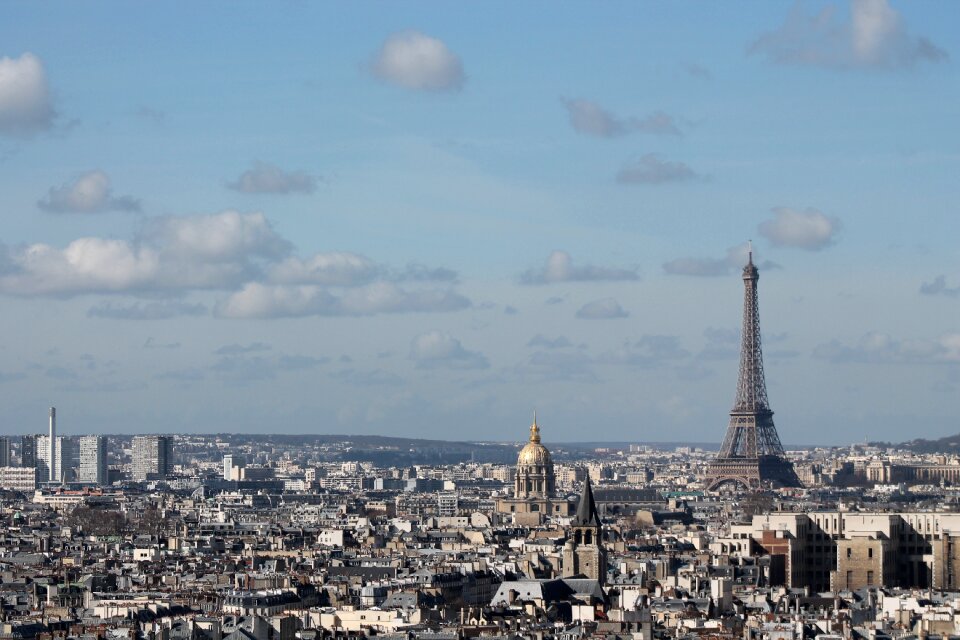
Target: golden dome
{"points": [[534, 453]]}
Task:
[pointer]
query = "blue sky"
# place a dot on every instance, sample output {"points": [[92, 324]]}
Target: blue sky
{"points": [[431, 218]]}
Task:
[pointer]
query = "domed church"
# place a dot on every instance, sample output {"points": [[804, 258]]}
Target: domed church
{"points": [[534, 477], [534, 485]]}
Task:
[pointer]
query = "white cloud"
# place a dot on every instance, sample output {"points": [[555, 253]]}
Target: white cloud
{"points": [[809, 229], [539, 340], [881, 348], [939, 287], [85, 265], [258, 300], [336, 268], [735, 259], [25, 103], [439, 350], [603, 309], [559, 267], [89, 193], [592, 119], [648, 351], [874, 36], [147, 311], [218, 237], [268, 178], [413, 60], [173, 253], [652, 169]]}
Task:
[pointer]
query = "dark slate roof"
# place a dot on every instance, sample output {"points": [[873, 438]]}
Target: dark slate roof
{"points": [[586, 515]]}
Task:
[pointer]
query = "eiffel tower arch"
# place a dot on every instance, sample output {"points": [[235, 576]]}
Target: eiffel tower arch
{"points": [[751, 455]]}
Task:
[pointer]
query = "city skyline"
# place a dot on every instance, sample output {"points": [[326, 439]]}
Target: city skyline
{"points": [[428, 220]]}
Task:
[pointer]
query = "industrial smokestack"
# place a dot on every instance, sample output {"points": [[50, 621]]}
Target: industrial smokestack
{"points": [[52, 443]]}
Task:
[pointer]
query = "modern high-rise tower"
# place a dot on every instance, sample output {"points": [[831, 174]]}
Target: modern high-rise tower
{"points": [[93, 460], [152, 459], [751, 454], [52, 445]]}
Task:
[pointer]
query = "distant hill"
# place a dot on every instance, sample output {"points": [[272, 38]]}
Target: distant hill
{"points": [[946, 444]]}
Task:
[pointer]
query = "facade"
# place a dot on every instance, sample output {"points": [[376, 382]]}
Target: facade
{"points": [[4, 451], [233, 467], [18, 479], [151, 458], [93, 460], [534, 485], [840, 550], [49, 459], [751, 455], [28, 451]]}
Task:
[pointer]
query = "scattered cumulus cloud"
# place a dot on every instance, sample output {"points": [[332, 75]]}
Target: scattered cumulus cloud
{"points": [[734, 260], [439, 350], [881, 348], [182, 375], [721, 344], [698, 71], [268, 178], [334, 268], [559, 267], [416, 272], [299, 362], [809, 229], [603, 309], [543, 342], [156, 116], [89, 193], [26, 106], [568, 366], [874, 36], [649, 351], [150, 343], [374, 377], [239, 349], [258, 300], [938, 287], [239, 253], [413, 60], [223, 236], [147, 311], [652, 169], [590, 118], [213, 251]]}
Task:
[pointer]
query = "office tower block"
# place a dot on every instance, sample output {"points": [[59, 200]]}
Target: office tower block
{"points": [[93, 460], [55, 473], [233, 466], [28, 451], [4, 451], [151, 458]]}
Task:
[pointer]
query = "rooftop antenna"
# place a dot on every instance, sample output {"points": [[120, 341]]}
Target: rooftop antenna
{"points": [[750, 250]]}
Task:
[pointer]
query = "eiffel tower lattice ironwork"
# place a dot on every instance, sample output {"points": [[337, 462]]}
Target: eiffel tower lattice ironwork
{"points": [[751, 454]]}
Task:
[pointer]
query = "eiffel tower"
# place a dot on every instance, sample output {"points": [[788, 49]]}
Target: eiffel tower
{"points": [[751, 454]]}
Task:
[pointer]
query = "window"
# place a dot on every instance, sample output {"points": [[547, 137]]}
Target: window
{"points": [[869, 553], [849, 552], [849, 578], [869, 577]]}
